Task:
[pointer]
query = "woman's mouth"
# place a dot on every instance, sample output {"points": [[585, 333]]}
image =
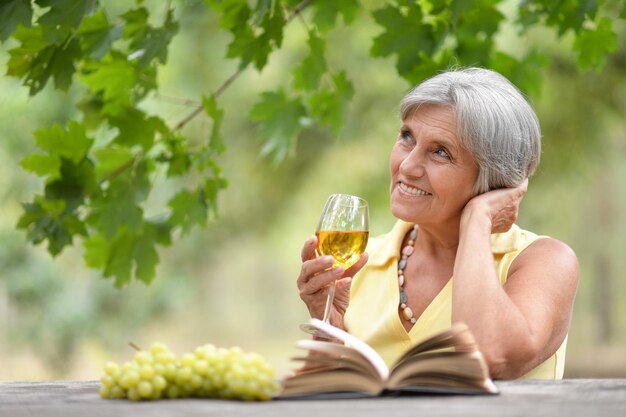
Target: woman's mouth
{"points": [[412, 190]]}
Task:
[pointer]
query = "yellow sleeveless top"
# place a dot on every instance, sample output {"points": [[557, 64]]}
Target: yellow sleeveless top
{"points": [[372, 314]]}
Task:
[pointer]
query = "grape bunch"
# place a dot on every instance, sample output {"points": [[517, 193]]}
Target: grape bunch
{"points": [[207, 372]]}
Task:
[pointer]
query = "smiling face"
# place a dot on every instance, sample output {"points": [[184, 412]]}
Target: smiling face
{"points": [[432, 176]]}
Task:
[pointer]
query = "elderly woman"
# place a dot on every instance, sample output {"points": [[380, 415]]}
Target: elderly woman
{"points": [[459, 170]]}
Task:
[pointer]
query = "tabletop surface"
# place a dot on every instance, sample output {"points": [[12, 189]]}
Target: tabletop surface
{"points": [[569, 398]]}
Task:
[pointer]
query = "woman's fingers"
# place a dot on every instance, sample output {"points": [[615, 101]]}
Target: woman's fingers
{"points": [[350, 272], [316, 283], [308, 250]]}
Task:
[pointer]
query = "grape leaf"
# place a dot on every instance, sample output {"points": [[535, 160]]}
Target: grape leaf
{"points": [[405, 35], [43, 165], [114, 77], [13, 13], [111, 159], [154, 43], [97, 34], [189, 208], [307, 75], [475, 24], [114, 209], [36, 61], [251, 47], [329, 107], [526, 73], [563, 15], [145, 255], [135, 24], [65, 12], [428, 65], [211, 188], [593, 45], [135, 128], [216, 143], [326, 13], [263, 8], [43, 225], [96, 251], [72, 143], [176, 156], [119, 262], [279, 121]]}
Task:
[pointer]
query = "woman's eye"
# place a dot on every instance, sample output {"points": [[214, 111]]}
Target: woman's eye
{"points": [[405, 136], [443, 153]]}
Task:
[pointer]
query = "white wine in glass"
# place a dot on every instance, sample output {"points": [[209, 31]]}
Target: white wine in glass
{"points": [[342, 233]]}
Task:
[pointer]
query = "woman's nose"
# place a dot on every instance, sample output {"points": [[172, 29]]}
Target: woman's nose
{"points": [[413, 164]]}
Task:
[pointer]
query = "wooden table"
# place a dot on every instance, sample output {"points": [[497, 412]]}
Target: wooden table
{"points": [[567, 398]]}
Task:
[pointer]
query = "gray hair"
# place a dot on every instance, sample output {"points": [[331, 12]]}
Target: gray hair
{"points": [[494, 122]]}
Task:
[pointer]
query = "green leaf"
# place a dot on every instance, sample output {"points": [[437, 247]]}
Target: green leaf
{"points": [[135, 24], [330, 108], [526, 74], [326, 13], [216, 143], [111, 159], [120, 260], [72, 143], [43, 165], [12, 14], [154, 43], [66, 12], [96, 251], [135, 128], [211, 188], [252, 47], [475, 24], [49, 219], [594, 44], [232, 13], [76, 182], [116, 210], [114, 77], [279, 121], [405, 35], [428, 66], [307, 75], [97, 34], [36, 61], [189, 208], [177, 155], [145, 255], [563, 15]]}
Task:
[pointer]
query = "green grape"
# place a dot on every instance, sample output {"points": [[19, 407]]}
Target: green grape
{"points": [[133, 395], [105, 392], [146, 372], [207, 372], [129, 379], [159, 382], [117, 392], [144, 389]]}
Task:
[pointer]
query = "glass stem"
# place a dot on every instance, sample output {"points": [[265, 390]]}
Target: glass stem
{"points": [[329, 302]]}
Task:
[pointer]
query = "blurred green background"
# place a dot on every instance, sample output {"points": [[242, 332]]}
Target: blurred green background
{"points": [[233, 283]]}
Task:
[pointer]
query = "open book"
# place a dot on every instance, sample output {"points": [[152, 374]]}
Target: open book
{"points": [[447, 362]]}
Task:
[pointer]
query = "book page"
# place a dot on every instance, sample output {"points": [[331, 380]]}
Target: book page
{"points": [[368, 352], [337, 355]]}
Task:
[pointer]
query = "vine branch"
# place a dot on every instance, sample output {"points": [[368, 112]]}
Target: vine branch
{"points": [[294, 13]]}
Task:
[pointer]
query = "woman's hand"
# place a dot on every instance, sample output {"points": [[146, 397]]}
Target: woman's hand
{"points": [[315, 277], [499, 207]]}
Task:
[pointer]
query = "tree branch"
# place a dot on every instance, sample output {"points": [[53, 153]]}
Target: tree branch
{"points": [[294, 13]]}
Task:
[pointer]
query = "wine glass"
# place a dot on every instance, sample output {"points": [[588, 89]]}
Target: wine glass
{"points": [[342, 232]]}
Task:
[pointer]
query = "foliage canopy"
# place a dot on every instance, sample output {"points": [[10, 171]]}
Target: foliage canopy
{"points": [[99, 168]]}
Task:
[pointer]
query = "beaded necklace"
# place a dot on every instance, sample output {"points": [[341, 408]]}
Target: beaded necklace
{"points": [[407, 251]]}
